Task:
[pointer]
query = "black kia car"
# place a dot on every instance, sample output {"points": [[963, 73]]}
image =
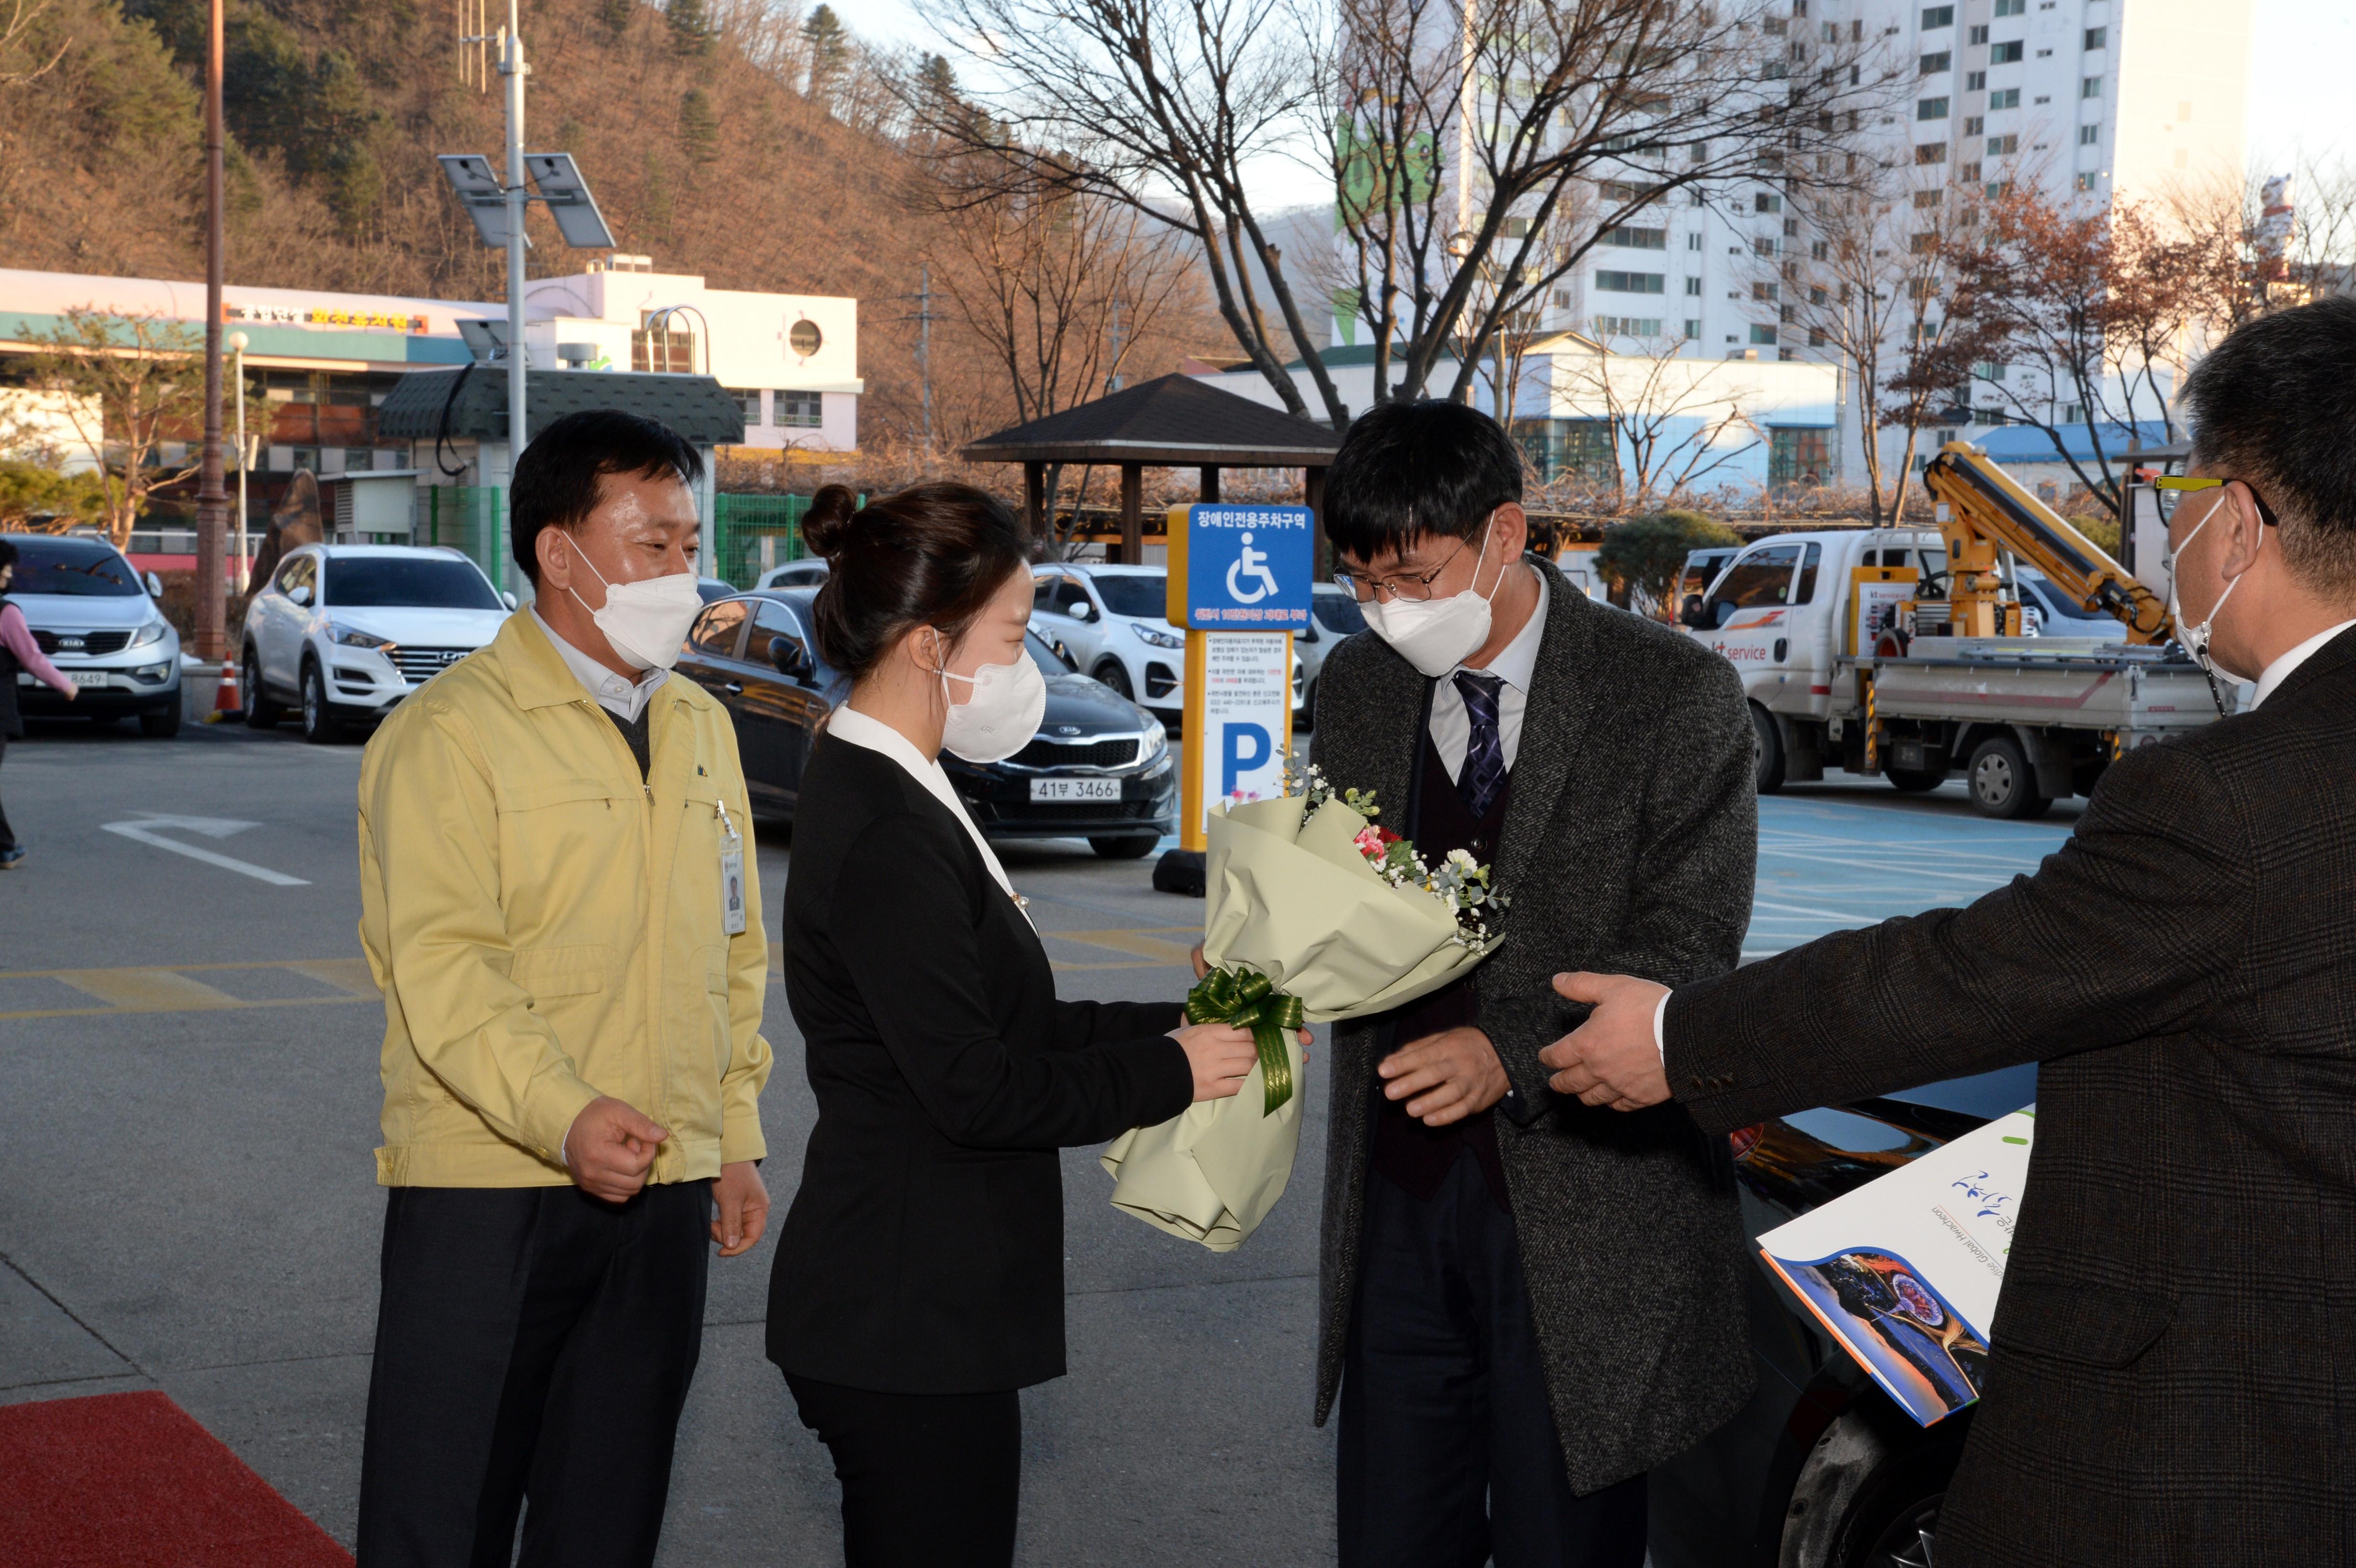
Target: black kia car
{"points": [[1822, 1469], [1101, 767]]}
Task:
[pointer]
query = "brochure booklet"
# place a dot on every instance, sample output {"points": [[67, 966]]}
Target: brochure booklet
{"points": [[1905, 1271]]}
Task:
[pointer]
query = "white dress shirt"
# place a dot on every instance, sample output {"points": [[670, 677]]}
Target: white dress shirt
{"points": [[617, 694], [2273, 676], [1452, 726], [848, 724]]}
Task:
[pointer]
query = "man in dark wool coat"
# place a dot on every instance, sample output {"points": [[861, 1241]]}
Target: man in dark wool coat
{"points": [[1525, 1303], [2174, 1369]]}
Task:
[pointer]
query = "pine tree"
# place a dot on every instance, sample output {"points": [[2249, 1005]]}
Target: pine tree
{"points": [[691, 31], [699, 127], [830, 50]]}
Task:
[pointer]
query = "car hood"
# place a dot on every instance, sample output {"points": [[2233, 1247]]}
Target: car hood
{"points": [[423, 628], [75, 612], [1095, 708]]}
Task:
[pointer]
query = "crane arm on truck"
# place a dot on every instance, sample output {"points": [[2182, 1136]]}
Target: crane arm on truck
{"points": [[1980, 510]]}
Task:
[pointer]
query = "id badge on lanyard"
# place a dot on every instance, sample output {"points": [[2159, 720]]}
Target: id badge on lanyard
{"points": [[732, 874]]}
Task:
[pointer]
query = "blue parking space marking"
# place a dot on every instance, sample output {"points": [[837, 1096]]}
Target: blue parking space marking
{"points": [[1831, 864]]}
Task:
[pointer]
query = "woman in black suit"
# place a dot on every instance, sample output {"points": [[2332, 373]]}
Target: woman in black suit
{"points": [[919, 1277]]}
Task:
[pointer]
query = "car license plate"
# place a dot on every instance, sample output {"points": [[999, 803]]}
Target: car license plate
{"points": [[85, 678], [1044, 790]]}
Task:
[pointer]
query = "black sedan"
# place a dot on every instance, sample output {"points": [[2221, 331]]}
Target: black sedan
{"points": [[1101, 767], [1822, 1469]]}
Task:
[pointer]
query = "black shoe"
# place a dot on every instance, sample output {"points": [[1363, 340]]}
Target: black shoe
{"points": [[9, 858]]}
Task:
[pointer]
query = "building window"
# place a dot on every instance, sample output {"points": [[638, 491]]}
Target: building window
{"points": [[1562, 449], [1987, 416], [2087, 181], [1975, 125], [1762, 246], [2005, 54], [1931, 108], [1628, 326], [1821, 249], [1693, 326], [2091, 87], [1931, 153], [663, 352], [2010, 8], [1935, 65], [1922, 244], [1693, 286], [1798, 456], [1788, 314], [1998, 146], [1767, 292], [1815, 338], [1929, 198], [2073, 413], [748, 399], [1693, 242], [1637, 238], [2090, 135], [1766, 201], [801, 410], [1987, 370], [1631, 282], [2004, 98], [1938, 16], [1978, 35], [1968, 173], [1764, 335], [2098, 37]]}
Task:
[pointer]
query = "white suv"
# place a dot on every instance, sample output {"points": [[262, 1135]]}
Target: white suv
{"points": [[347, 631], [1113, 622]]}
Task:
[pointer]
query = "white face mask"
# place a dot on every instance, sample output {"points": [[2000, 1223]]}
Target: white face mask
{"points": [[646, 622], [1000, 716], [2195, 639], [1436, 634]]}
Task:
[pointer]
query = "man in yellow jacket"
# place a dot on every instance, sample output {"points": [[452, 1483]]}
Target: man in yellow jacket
{"points": [[559, 902]]}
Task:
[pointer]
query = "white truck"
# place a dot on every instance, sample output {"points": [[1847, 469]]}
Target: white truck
{"points": [[1844, 639]]}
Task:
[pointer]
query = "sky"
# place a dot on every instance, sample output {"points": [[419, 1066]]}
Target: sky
{"points": [[2302, 59]]}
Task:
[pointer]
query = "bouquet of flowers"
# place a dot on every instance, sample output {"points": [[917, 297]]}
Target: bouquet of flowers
{"points": [[1313, 914]]}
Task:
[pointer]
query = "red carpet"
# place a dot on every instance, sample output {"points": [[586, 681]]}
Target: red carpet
{"points": [[130, 1480]]}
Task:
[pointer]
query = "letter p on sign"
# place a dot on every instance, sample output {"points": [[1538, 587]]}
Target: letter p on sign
{"points": [[1243, 748]]}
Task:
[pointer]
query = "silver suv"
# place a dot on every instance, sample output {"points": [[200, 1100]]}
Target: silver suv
{"points": [[347, 631], [96, 619]]}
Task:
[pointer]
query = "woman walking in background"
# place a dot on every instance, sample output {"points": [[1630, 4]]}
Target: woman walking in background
{"points": [[919, 1282], [18, 652]]}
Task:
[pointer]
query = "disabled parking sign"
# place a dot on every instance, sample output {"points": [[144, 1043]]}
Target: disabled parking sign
{"points": [[1247, 569]]}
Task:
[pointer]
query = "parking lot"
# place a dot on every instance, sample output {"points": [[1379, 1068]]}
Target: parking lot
{"points": [[188, 1043]]}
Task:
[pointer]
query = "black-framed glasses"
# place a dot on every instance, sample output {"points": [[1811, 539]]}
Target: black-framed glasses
{"points": [[1408, 586], [2172, 488]]}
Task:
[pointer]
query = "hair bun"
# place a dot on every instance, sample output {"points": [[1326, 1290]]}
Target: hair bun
{"points": [[826, 526]]}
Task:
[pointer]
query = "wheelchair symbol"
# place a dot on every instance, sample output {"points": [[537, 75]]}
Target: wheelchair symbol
{"points": [[1250, 563]]}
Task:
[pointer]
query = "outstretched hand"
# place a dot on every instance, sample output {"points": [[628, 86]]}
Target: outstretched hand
{"points": [[1613, 1058]]}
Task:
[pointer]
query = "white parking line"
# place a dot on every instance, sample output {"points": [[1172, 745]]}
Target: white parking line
{"points": [[144, 832]]}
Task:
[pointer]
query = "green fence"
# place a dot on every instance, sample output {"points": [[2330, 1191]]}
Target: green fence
{"points": [[750, 534], [470, 517]]}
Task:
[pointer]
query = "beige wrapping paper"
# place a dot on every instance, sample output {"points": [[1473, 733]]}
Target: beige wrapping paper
{"points": [[1302, 907]]}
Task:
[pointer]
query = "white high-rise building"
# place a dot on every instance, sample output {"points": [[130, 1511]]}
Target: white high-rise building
{"points": [[2094, 100]]}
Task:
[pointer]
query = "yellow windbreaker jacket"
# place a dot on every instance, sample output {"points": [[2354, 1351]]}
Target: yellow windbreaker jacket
{"points": [[546, 928]]}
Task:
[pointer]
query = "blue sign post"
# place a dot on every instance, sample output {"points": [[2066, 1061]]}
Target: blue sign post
{"points": [[1239, 585]]}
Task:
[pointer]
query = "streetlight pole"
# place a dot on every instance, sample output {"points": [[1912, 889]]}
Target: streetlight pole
{"points": [[512, 67], [237, 341], [212, 641]]}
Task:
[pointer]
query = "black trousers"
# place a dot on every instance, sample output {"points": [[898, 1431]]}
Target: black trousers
{"points": [[531, 1343], [929, 1480], [7, 838], [1448, 1456]]}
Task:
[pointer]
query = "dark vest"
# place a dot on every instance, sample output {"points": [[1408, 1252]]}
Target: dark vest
{"points": [[1416, 1157], [11, 724], [634, 731]]}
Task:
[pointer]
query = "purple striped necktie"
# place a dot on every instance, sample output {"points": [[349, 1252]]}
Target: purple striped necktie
{"points": [[1483, 774]]}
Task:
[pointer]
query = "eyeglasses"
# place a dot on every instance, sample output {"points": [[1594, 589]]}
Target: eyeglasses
{"points": [[2172, 489], [1401, 585]]}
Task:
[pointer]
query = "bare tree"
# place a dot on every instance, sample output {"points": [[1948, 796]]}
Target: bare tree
{"points": [[1675, 421], [128, 385], [1454, 133]]}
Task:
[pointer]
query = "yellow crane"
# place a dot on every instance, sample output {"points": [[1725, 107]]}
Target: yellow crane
{"points": [[1980, 510]]}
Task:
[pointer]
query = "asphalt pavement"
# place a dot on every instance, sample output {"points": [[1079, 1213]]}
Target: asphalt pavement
{"points": [[189, 1047]]}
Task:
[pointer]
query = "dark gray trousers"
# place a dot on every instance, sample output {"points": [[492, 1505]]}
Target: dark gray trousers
{"points": [[532, 1344], [1448, 1457]]}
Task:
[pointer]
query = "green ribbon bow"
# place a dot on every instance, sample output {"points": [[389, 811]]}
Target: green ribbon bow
{"points": [[1239, 996]]}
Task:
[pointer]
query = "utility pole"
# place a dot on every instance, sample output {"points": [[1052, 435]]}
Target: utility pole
{"points": [[212, 502], [512, 67], [236, 342]]}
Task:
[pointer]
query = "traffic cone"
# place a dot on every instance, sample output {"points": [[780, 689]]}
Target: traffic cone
{"points": [[228, 702]]}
